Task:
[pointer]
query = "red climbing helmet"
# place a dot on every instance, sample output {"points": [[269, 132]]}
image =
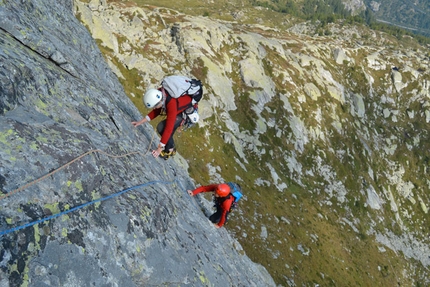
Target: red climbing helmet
{"points": [[222, 189]]}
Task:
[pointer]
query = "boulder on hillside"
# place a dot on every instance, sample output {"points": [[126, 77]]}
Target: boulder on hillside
{"points": [[396, 77], [340, 56]]}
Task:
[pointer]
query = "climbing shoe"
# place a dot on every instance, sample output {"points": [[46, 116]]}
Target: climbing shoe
{"points": [[166, 154]]}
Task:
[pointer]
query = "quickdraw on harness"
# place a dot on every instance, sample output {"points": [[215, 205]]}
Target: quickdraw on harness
{"points": [[190, 117]]}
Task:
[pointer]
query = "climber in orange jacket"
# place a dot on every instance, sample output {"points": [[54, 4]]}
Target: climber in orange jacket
{"points": [[223, 201], [161, 102]]}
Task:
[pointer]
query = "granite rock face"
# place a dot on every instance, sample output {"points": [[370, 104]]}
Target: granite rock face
{"points": [[82, 201]]}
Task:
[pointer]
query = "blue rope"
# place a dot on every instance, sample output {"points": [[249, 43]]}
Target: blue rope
{"points": [[82, 206]]}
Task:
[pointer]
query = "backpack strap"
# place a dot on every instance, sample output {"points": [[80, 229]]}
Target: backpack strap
{"points": [[167, 96]]}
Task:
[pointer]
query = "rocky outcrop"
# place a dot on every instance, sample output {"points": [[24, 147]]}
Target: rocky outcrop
{"points": [[354, 6], [82, 202], [396, 77]]}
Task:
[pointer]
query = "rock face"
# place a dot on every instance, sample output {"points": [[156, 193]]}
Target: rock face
{"points": [[82, 202]]}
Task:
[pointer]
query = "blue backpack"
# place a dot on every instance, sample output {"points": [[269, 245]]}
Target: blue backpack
{"points": [[236, 191]]}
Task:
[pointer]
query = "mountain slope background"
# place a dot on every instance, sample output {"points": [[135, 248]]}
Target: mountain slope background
{"points": [[327, 133], [411, 15], [408, 15]]}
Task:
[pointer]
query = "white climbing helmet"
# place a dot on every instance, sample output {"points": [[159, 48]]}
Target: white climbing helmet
{"points": [[152, 97], [194, 117]]}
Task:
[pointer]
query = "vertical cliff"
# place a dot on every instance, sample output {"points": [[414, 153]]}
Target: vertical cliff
{"points": [[82, 202]]}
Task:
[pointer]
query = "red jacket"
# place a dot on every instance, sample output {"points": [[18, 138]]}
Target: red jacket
{"points": [[225, 206], [173, 107]]}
